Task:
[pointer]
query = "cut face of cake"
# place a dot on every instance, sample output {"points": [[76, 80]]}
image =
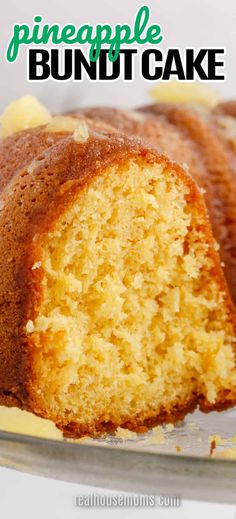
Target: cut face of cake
{"points": [[115, 311], [203, 141], [130, 326]]}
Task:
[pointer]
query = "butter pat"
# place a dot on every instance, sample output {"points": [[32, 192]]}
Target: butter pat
{"points": [[192, 93], [22, 114]]}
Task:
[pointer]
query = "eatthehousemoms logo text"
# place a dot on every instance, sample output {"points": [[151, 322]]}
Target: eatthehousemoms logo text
{"points": [[105, 53]]}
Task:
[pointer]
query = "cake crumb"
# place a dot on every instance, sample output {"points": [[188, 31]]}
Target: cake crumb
{"points": [[212, 447], [125, 434], [158, 436], [178, 448], [229, 453], [170, 427], [37, 265], [218, 440]]}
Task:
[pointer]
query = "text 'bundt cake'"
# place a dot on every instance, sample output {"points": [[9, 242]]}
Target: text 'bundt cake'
{"points": [[114, 307]]}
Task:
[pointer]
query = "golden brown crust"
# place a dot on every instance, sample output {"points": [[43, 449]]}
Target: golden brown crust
{"points": [[139, 424], [188, 135], [223, 118], [41, 173], [36, 167], [226, 108], [213, 172]]}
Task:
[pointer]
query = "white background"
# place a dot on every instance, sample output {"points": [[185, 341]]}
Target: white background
{"points": [[29, 497], [185, 23]]}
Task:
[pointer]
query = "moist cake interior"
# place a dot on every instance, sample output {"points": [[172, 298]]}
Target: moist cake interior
{"points": [[131, 319]]}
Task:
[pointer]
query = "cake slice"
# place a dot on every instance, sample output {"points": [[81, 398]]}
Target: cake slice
{"points": [[114, 307]]}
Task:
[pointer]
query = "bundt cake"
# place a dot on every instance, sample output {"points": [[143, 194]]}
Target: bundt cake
{"points": [[114, 307], [198, 139], [226, 108]]}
